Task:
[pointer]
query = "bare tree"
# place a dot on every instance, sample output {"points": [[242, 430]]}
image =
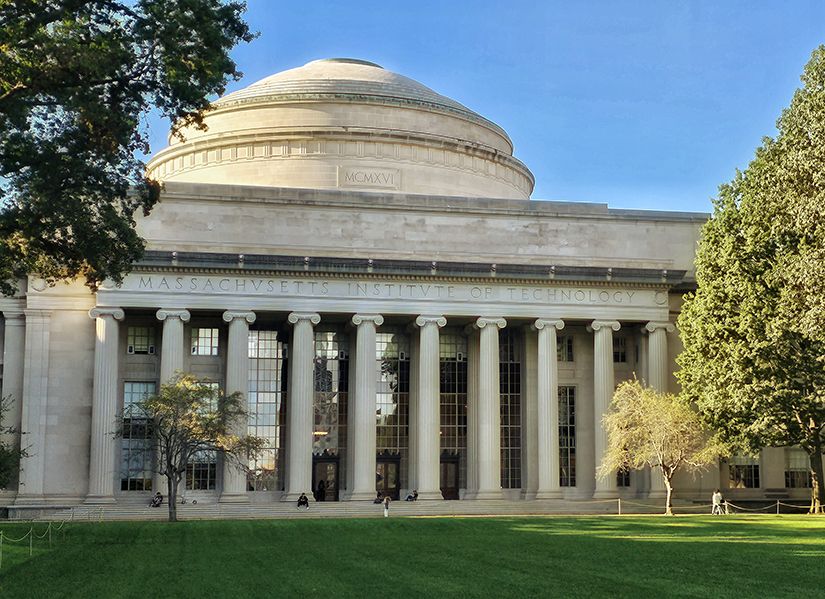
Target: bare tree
{"points": [[648, 428], [10, 450], [188, 416]]}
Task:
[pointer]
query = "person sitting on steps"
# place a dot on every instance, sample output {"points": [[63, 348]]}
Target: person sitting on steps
{"points": [[378, 498], [412, 496], [303, 501], [157, 500]]}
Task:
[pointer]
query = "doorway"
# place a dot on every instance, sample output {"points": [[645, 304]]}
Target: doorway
{"points": [[325, 477], [388, 475], [449, 475]]}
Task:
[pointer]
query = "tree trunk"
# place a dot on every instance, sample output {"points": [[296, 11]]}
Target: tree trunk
{"points": [[817, 481], [669, 487], [172, 490]]}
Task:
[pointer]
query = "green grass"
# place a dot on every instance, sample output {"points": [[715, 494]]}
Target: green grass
{"points": [[737, 556]]}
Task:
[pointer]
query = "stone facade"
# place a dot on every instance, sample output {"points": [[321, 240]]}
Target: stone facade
{"points": [[444, 334]]}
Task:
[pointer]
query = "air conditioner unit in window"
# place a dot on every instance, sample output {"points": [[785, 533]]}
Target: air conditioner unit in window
{"points": [[130, 349], [459, 356], [402, 355], [152, 350]]}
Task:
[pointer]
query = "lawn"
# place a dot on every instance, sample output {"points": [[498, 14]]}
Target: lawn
{"points": [[631, 556]]}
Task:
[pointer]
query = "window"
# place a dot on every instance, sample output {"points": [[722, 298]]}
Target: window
{"points": [[564, 348], [265, 405], [140, 340], [453, 399], [623, 478], [510, 397], [331, 382], [797, 469], [567, 436], [393, 396], [204, 342], [201, 471], [743, 473], [136, 450], [619, 349]]}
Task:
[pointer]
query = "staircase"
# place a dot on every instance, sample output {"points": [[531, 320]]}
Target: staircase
{"points": [[130, 510]]}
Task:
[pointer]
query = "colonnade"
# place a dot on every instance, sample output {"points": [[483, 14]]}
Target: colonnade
{"points": [[483, 411]]}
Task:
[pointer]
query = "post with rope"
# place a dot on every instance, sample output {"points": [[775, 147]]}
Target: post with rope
{"points": [[620, 505]]}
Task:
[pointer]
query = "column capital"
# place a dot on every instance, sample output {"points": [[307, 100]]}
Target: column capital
{"points": [[102, 312], [231, 315], [546, 322], [485, 321], [296, 317], [652, 326], [376, 318], [14, 317], [165, 313], [425, 319], [599, 324]]}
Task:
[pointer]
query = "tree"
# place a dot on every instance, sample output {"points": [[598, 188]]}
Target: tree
{"points": [[754, 330], [648, 428], [77, 77], [10, 452], [187, 417]]}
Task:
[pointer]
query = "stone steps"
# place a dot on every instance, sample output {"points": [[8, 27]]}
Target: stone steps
{"points": [[355, 509]]}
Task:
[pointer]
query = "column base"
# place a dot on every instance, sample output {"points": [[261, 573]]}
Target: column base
{"points": [[606, 494], [429, 495], [99, 500], [293, 497], [548, 495], [488, 494], [360, 496], [234, 498], [657, 494], [24, 499]]}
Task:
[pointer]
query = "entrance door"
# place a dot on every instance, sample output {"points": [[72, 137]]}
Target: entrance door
{"points": [[325, 478], [387, 476], [449, 476]]}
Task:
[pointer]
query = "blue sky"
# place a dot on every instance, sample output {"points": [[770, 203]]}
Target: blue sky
{"points": [[635, 104]]}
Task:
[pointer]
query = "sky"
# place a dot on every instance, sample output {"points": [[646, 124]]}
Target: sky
{"points": [[636, 104]]}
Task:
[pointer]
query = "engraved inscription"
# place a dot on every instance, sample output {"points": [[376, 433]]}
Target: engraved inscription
{"points": [[383, 178]]}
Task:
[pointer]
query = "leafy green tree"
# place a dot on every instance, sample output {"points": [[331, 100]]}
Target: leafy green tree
{"points": [[754, 330], [10, 452], [188, 416], [77, 77], [657, 430]]}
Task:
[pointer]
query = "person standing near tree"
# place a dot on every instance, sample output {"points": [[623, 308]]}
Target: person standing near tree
{"points": [[386, 503]]}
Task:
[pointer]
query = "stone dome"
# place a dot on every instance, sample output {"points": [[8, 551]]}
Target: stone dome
{"points": [[349, 124]]}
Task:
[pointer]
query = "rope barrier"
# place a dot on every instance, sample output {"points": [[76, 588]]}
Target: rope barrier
{"points": [[51, 527]]}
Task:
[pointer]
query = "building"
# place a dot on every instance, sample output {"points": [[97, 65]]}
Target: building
{"points": [[360, 256]]}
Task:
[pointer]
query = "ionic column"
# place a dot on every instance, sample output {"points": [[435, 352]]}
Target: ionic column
{"points": [[237, 381], [14, 343], [300, 406], [35, 402], [489, 409], [428, 414], [657, 375], [171, 346], [104, 406], [171, 362], [361, 421], [548, 409], [603, 386]]}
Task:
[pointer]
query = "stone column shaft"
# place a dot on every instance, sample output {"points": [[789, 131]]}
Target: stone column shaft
{"points": [[489, 409], [472, 411], [548, 410], [300, 406], [104, 405], [361, 424], [657, 373], [14, 343], [428, 414], [171, 362], [237, 381], [35, 402], [603, 385]]}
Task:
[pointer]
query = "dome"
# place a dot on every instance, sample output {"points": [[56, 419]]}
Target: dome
{"points": [[347, 123]]}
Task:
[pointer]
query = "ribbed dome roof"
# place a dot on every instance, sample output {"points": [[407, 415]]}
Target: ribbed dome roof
{"points": [[347, 78]]}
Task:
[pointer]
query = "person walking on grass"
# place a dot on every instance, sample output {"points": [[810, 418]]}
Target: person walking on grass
{"points": [[386, 503], [716, 499]]}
